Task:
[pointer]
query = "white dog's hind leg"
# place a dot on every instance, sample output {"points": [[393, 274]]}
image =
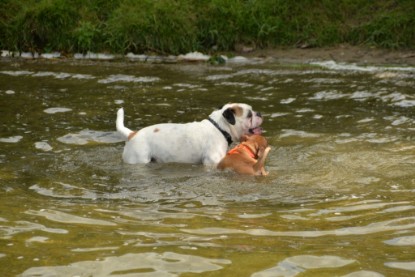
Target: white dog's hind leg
{"points": [[124, 131], [137, 151]]}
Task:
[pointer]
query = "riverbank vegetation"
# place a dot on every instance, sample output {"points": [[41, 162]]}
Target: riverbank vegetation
{"points": [[180, 26]]}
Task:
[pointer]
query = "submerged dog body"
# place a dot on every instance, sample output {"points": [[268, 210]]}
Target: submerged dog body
{"points": [[196, 142], [248, 157]]}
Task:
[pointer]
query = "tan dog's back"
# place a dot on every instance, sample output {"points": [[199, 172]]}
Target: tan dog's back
{"points": [[248, 157]]}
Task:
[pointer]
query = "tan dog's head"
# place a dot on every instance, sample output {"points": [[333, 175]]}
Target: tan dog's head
{"points": [[238, 119], [258, 142]]}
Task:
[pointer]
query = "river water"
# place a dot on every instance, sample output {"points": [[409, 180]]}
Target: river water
{"points": [[339, 199]]}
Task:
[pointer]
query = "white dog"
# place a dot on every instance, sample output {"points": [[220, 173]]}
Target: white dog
{"points": [[197, 142]]}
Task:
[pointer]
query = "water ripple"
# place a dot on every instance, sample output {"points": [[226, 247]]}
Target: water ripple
{"points": [[62, 217], [377, 227], [148, 264], [295, 265]]}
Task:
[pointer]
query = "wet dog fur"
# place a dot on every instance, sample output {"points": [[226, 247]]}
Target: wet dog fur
{"points": [[248, 157]]}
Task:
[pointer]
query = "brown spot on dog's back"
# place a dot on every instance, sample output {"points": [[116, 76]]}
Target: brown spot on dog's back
{"points": [[131, 135], [156, 130]]}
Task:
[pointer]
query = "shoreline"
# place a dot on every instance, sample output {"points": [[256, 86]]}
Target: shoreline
{"points": [[339, 54], [342, 54]]}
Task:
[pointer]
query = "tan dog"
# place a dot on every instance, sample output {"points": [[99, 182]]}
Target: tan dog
{"points": [[248, 157]]}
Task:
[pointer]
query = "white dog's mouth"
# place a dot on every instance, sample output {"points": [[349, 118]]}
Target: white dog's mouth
{"points": [[255, 123], [256, 131]]}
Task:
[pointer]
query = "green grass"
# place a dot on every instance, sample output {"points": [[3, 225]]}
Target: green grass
{"points": [[180, 26]]}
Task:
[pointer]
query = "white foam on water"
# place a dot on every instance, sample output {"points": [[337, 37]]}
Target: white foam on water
{"points": [[322, 81], [368, 137], [184, 85], [354, 67], [401, 241], [393, 98], [93, 249], [278, 114], [83, 76], [127, 79], [386, 75], [245, 72], [250, 216], [362, 95], [366, 120], [287, 101], [364, 273], [90, 136], [257, 98], [399, 120], [161, 264], [194, 56], [37, 239], [219, 77], [398, 209], [328, 95], [62, 217], [410, 266], [53, 55], [94, 56], [57, 110], [17, 72], [403, 223], [305, 110], [44, 74], [405, 103], [133, 56], [58, 75], [295, 265], [266, 88], [236, 84], [43, 145], [13, 139], [297, 133], [238, 59]]}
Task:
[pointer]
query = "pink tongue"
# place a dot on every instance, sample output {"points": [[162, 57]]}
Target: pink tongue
{"points": [[256, 131]]}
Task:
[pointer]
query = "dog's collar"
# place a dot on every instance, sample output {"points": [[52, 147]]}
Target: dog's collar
{"points": [[224, 133], [245, 147]]}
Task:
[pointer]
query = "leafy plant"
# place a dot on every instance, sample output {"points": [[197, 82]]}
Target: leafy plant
{"points": [[47, 25], [85, 36], [162, 26], [180, 26]]}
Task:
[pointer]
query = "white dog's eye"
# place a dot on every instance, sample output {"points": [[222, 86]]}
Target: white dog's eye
{"points": [[249, 114]]}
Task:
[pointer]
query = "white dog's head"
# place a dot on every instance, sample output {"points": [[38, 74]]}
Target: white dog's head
{"points": [[238, 119]]}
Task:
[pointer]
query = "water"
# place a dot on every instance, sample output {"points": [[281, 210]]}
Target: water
{"points": [[339, 200]]}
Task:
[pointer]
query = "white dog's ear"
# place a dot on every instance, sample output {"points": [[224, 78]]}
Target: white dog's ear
{"points": [[229, 115]]}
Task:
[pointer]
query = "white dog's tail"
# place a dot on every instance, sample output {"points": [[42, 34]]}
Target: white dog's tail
{"points": [[124, 131]]}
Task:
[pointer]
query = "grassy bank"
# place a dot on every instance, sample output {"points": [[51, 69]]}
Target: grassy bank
{"points": [[180, 26]]}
